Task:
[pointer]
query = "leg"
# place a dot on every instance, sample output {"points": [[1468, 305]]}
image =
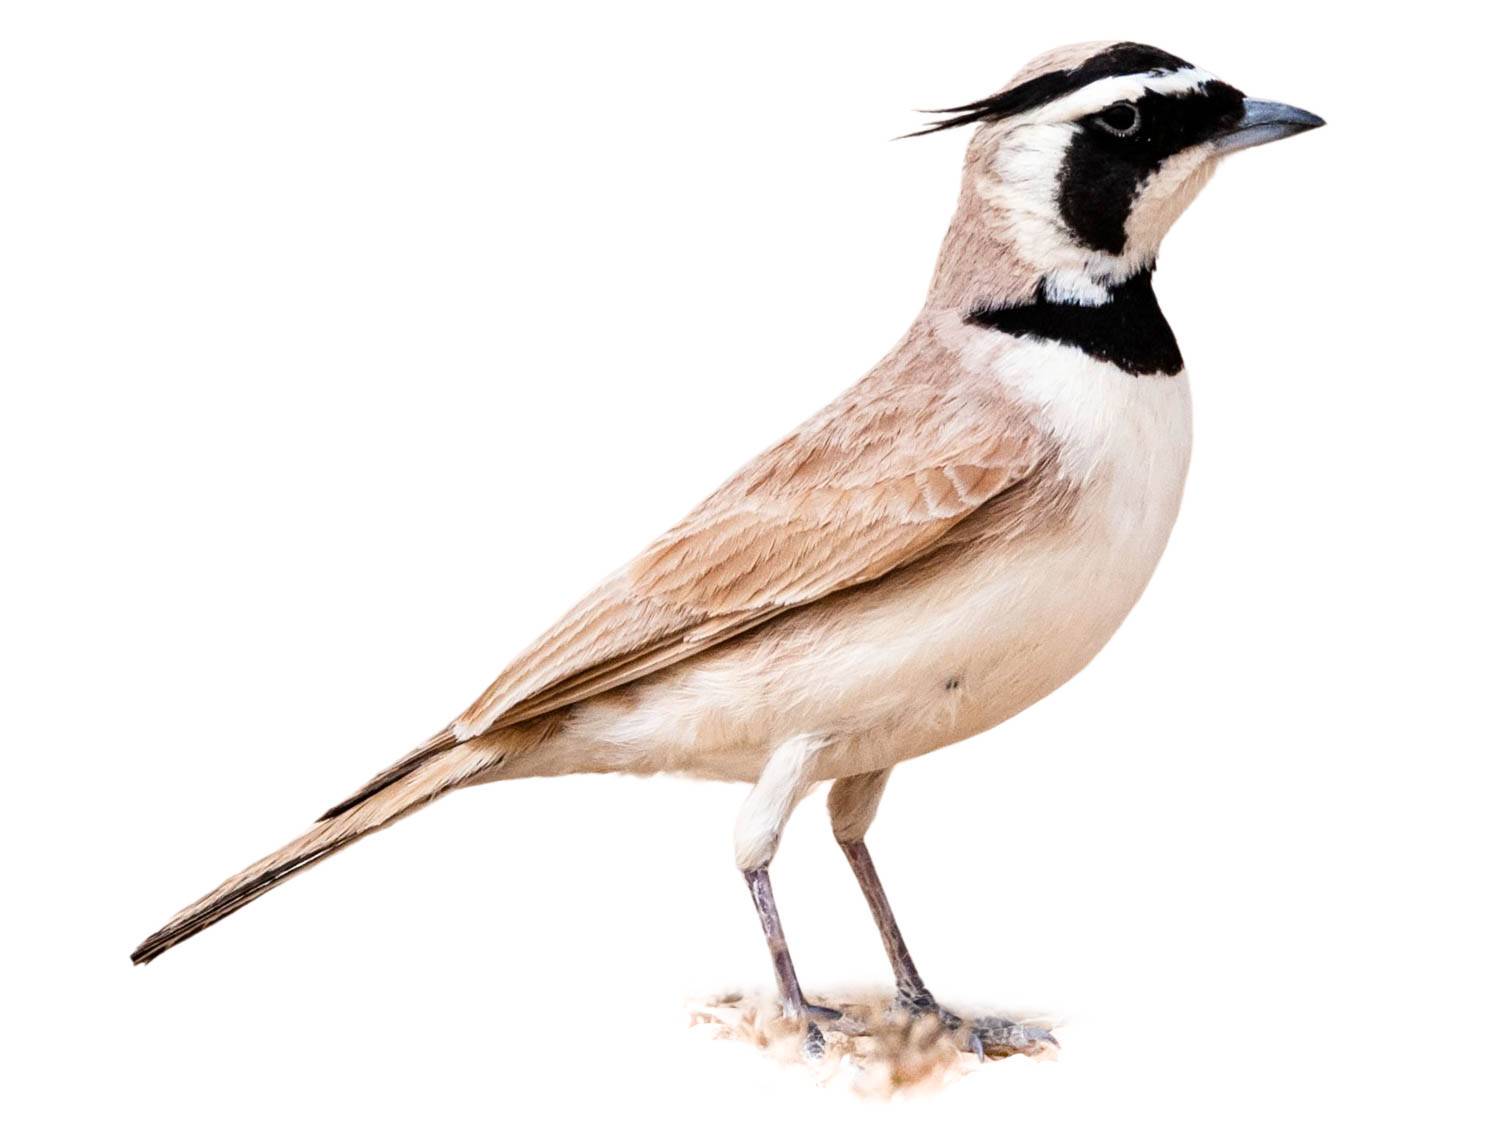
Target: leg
{"points": [[783, 783], [790, 996], [853, 802]]}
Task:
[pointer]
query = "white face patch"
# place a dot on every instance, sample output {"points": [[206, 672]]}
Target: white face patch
{"points": [[1106, 91], [1020, 184]]}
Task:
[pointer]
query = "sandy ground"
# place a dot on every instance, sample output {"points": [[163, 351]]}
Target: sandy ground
{"points": [[875, 1048]]}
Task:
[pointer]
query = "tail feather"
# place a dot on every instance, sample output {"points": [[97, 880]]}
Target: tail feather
{"points": [[438, 766], [441, 742]]}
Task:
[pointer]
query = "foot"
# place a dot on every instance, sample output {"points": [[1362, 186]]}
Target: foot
{"points": [[821, 1013], [814, 1046], [998, 1036], [918, 1003], [985, 1036]]}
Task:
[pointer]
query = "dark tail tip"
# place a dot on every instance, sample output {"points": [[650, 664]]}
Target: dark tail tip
{"points": [[215, 907], [157, 943], [147, 950]]}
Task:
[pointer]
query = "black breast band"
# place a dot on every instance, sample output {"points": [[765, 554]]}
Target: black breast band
{"points": [[1128, 331]]}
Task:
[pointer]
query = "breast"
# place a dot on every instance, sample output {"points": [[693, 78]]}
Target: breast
{"points": [[1123, 447]]}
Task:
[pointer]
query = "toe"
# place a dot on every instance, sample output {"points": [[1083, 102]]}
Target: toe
{"points": [[815, 1042], [1002, 1037]]}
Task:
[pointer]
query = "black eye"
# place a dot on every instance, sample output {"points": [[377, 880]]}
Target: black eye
{"points": [[1122, 119]]}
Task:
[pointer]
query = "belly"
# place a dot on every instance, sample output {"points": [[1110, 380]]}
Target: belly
{"points": [[1015, 624]]}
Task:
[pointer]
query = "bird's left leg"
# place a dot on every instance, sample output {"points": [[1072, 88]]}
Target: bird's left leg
{"points": [[782, 784], [853, 802]]}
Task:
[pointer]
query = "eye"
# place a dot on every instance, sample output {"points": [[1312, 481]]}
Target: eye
{"points": [[1122, 119]]}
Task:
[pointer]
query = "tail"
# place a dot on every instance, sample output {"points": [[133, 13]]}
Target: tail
{"points": [[436, 767]]}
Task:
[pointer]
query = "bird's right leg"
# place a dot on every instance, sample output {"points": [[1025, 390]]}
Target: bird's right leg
{"points": [[782, 784]]}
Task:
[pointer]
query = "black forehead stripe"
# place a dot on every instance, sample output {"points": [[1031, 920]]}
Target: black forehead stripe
{"points": [[1128, 331], [1116, 60]]}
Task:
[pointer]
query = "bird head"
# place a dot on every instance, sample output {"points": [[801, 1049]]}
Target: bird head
{"points": [[1081, 164]]}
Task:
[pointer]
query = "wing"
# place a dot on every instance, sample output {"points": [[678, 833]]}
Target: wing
{"points": [[870, 484]]}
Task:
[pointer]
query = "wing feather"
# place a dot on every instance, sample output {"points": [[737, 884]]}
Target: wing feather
{"points": [[872, 483]]}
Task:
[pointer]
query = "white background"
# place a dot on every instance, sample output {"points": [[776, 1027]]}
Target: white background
{"points": [[345, 345]]}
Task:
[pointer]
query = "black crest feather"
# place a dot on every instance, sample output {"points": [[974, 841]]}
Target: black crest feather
{"points": [[1118, 59]]}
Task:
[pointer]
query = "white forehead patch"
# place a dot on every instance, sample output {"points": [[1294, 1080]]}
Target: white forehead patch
{"points": [[1124, 87]]}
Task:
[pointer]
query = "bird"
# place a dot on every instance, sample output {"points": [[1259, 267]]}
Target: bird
{"points": [[944, 544]]}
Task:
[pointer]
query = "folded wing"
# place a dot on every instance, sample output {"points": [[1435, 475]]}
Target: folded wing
{"points": [[872, 483]]}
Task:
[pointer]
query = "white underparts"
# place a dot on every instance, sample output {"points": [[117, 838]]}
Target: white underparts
{"points": [[785, 779]]}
